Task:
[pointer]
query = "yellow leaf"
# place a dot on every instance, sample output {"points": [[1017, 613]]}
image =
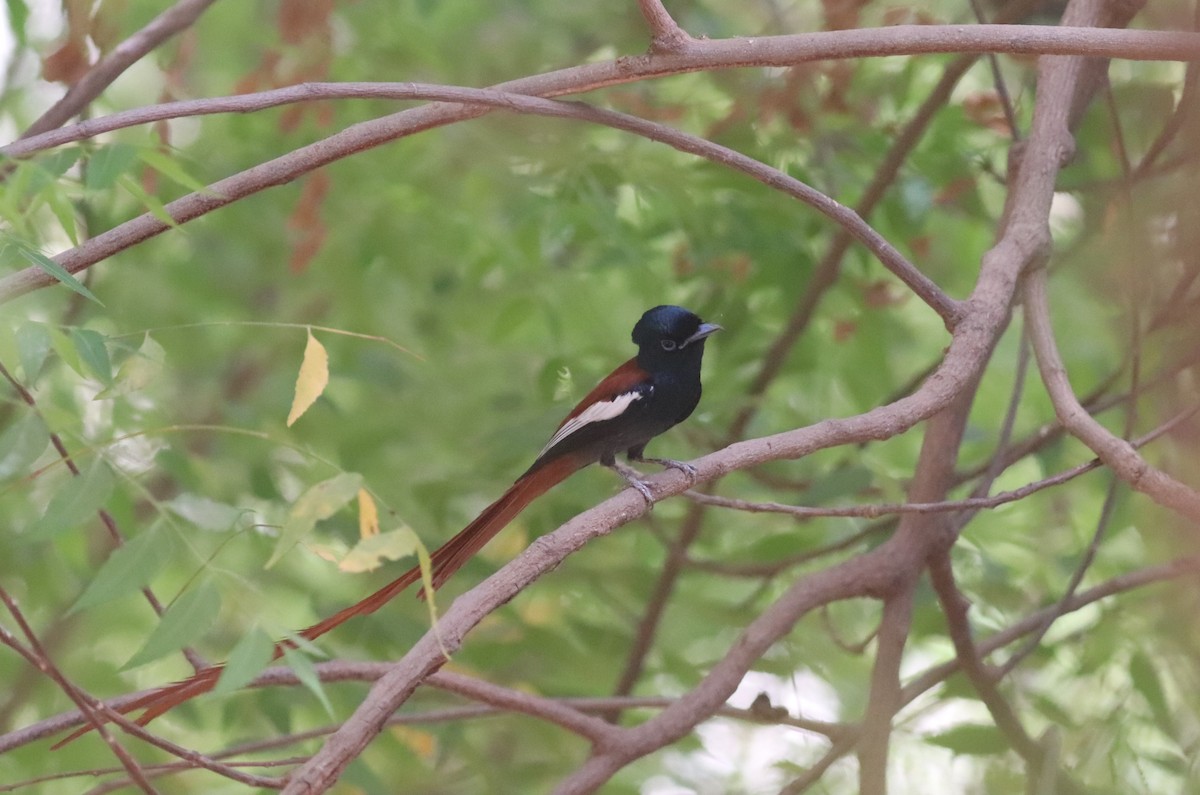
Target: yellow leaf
{"points": [[368, 515], [369, 553], [316, 504], [313, 378]]}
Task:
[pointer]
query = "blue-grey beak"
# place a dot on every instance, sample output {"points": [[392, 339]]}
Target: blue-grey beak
{"points": [[705, 330]]}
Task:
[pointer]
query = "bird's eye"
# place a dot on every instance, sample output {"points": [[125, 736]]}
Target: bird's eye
{"points": [[668, 345]]}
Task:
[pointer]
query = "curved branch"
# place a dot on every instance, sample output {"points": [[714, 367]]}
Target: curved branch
{"points": [[870, 574], [934, 676], [368, 134], [711, 54], [973, 504], [823, 278], [175, 19], [779, 51], [1115, 452]]}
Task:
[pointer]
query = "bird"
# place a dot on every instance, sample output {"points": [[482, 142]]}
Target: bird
{"points": [[647, 395]]}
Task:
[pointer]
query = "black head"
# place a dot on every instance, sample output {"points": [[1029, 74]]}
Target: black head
{"points": [[671, 335]]}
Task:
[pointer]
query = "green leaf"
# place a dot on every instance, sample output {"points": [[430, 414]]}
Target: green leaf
{"points": [[249, 657], [974, 740], [1145, 679], [18, 15], [845, 481], [59, 161], [40, 260], [77, 499], [916, 197], [307, 674], [21, 444], [106, 165], [64, 211], [319, 502], [33, 345], [152, 203], [169, 167], [184, 622], [205, 513], [62, 344], [45, 172], [128, 569], [90, 345], [18, 190], [138, 371]]}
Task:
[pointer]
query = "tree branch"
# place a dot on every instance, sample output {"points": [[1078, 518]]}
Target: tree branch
{"points": [[945, 506], [175, 19], [36, 656], [766, 51], [665, 33], [106, 518], [884, 700], [368, 134], [1115, 452], [955, 607]]}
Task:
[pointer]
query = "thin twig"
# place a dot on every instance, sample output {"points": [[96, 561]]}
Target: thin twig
{"points": [[946, 506], [931, 678], [36, 655], [1010, 114], [665, 33]]}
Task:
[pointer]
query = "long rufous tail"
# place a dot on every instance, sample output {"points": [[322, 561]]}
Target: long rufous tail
{"points": [[445, 560]]}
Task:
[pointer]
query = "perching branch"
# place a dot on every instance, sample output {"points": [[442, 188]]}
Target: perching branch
{"points": [[888, 572]]}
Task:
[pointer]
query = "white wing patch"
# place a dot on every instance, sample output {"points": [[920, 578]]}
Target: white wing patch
{"points": [[597, 412]]}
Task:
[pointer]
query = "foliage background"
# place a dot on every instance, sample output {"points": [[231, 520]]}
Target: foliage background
{"points": [[511, 255]]}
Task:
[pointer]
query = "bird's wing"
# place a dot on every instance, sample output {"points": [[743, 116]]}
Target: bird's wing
{"points": [[608, 400]]}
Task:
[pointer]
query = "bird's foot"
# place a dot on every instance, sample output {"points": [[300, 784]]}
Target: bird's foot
{"points": [[634, 479], [689, 471]]}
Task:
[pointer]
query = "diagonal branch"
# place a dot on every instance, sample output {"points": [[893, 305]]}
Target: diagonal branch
{"points": [[1116, 453], [36, 655], [360, 136], [175, 19], [1140, 578], [713, 54], [870, 574], [955, 606], [824, 277], [1024, 242]]}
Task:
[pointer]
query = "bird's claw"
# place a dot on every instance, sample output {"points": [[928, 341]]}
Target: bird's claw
{"points": [[631, 477], [644, 490], [689, 471]]}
